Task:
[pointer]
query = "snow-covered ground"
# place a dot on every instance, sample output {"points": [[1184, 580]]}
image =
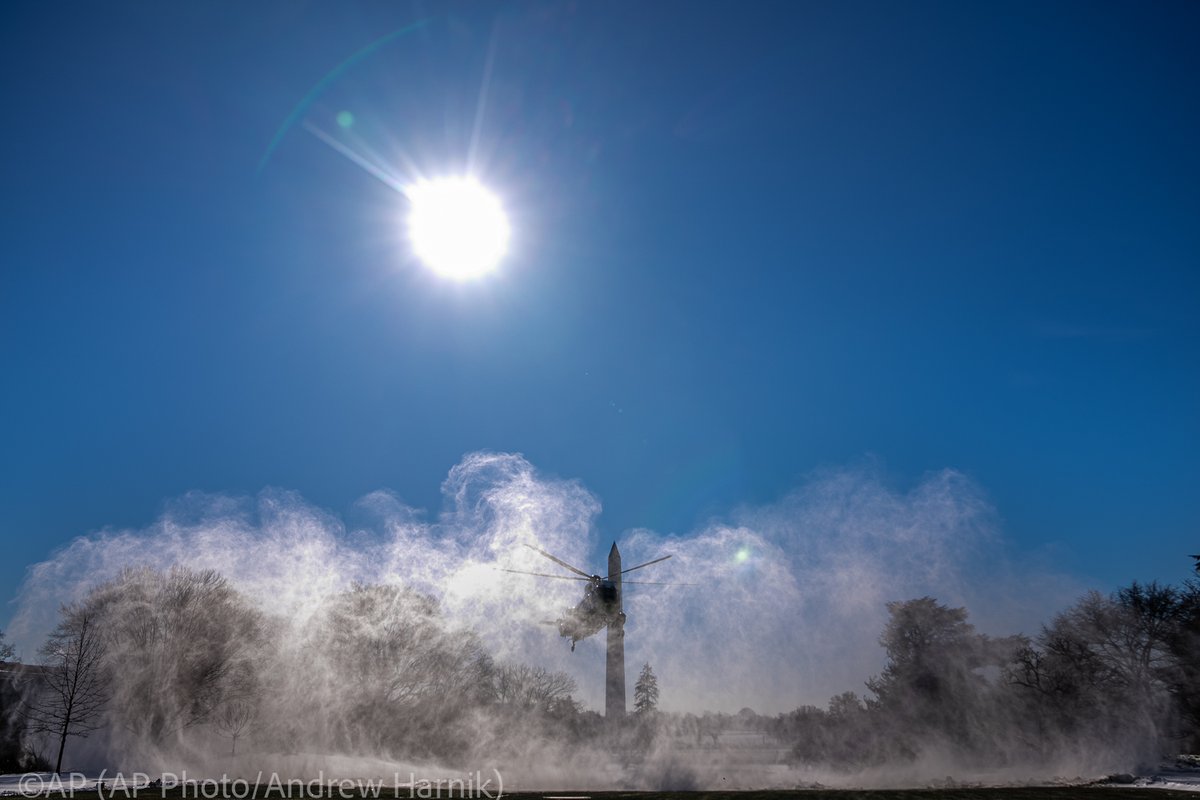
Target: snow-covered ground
{"points": [[31, 784], [1183, 774]]}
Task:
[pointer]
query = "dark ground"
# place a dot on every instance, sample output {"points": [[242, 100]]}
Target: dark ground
{"points": [[1005, 793]]}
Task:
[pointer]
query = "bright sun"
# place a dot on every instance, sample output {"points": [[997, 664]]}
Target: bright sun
{"points": [[458, 228]]}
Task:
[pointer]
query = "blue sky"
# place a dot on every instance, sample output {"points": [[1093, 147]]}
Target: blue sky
{"points": [[750, 242]]}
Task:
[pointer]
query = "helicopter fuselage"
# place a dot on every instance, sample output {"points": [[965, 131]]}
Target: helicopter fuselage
{"points": [[600, 607]]}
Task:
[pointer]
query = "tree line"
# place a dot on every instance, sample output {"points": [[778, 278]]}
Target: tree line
{"points": [[173, 659], [164, 659], [1113, 679]]}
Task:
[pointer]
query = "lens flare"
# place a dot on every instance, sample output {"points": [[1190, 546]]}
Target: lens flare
{"points": [[458, 228]]}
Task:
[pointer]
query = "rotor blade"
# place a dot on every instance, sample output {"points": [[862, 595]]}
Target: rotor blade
{"points": [[545, 575], [639, 566], [655, 583], [560, 562]]}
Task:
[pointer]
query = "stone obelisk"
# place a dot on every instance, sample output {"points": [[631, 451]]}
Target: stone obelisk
{"points": [[614, 673]]}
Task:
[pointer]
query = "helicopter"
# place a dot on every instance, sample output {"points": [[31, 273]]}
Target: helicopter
{"points": [[601, 605]]}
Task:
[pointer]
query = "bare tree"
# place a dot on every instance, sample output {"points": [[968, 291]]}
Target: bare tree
{"points": [[6, 650], [524, 687], [182, 642], [73, 691], [233, 719], [393, 675]]}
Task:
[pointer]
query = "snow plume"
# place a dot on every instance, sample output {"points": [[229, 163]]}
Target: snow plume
{"points": [[787, 605], [792, 596], [288, 556]]}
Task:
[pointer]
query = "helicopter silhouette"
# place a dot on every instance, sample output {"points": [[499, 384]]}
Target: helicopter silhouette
{"points": [[601, 605]]}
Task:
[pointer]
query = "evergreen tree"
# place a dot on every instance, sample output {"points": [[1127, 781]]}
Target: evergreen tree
{"points": [[645, 692], [934, 681]]}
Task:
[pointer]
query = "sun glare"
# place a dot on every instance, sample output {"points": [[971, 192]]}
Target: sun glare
{"points": [[458, 228]]}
